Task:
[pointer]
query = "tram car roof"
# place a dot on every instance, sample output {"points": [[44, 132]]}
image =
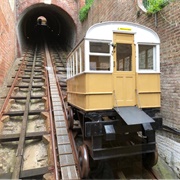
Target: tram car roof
{"points": [[103, 31]]}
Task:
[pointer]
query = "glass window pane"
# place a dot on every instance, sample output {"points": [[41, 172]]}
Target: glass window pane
{"points": [[98, 47], [74, 65], [71, 67], [146, 57], [100, 63], [79, 60], [124, 57]]}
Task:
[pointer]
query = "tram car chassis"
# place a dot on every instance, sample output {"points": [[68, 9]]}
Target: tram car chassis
{"points": [[113, 82]]}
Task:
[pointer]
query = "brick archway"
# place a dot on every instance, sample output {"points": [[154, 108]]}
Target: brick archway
{"points": [[62, 17], [70, 6]]}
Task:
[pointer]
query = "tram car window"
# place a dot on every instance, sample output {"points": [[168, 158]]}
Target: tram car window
{"points": [[113, 92], [147, 57], [124, 57], [99, 56]]}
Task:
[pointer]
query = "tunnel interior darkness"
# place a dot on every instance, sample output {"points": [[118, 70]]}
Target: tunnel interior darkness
{"points": [[59, 26]]}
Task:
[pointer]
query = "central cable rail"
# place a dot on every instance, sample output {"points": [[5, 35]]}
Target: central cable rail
{"points": [[65, 152]]}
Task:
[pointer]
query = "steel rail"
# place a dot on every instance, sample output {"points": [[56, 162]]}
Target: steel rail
{"points": [[20, 149], [12, 86], [154, 174]]}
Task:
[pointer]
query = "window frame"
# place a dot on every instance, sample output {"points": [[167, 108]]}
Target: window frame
{"points": [[88, 54], [156, 58], [75, 61], [141, 5]]}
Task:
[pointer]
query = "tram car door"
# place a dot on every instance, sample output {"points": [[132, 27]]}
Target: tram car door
{"points": [[124, 69]]}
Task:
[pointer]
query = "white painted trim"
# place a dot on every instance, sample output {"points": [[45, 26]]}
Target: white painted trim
{"points": [[86, 57], [80, 58], [140, 4], [156, 59]]}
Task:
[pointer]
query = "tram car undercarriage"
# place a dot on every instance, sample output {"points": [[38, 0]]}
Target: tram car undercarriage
{"points": [[112, 74]]}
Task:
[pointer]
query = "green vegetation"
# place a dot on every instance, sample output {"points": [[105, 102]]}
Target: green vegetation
{"points": [[153, 6], [83, 13]]}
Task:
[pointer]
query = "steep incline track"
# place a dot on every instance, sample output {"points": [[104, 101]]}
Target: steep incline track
{"points": [[32, 145]]}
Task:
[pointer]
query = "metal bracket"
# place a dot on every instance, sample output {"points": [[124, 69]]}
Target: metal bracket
{"points": [[110, 132]]}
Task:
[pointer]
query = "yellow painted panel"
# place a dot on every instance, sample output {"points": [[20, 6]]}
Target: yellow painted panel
{"points": [[99, 102], [125, 38], [91, 91], [148, 82], [77, 100], [81, 83], [124, 85], [77, 84], [81, 101], [69, 85], [130, 89], [119, 90], [148, 88], [149, 100], [99, 82], [91, 102]]}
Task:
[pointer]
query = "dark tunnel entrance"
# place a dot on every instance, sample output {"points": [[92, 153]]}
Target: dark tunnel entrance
{"points": [[48, 20]]}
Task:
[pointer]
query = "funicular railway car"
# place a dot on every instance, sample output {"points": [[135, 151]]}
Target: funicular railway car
{"points": [[113, 74]]}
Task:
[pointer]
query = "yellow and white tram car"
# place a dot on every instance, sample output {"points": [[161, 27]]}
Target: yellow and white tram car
{"points": [[116, 64], [112, 74]]}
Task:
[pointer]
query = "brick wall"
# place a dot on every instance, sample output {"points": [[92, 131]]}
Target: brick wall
{"points": [[167, 25], [7, 38], [169, 32]]}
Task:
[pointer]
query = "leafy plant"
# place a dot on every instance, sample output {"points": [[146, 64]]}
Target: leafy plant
{"points": [[153, 6], [83, 13]]}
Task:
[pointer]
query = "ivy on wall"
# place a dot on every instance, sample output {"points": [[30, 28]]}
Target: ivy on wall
{"points": [[83, 13], [153, 6]]}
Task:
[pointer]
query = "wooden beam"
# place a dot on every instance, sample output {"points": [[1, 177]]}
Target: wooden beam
{"points": [[27, 173], [15, 137]]}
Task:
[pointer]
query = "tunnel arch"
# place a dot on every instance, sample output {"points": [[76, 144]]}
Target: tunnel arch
{"points": [[59, 22], [41, 20]]}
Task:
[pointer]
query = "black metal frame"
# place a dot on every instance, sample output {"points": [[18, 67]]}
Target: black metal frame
{"points": [[97, 133]]}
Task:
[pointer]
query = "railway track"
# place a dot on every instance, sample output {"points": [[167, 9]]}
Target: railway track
{"points": [[35, 141], [137, 171], [125, 168], [34, 138]]}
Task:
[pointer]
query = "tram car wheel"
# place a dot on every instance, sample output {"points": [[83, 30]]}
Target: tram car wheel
{"points": [[83, 161], [150, 159], [70, 117]]}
